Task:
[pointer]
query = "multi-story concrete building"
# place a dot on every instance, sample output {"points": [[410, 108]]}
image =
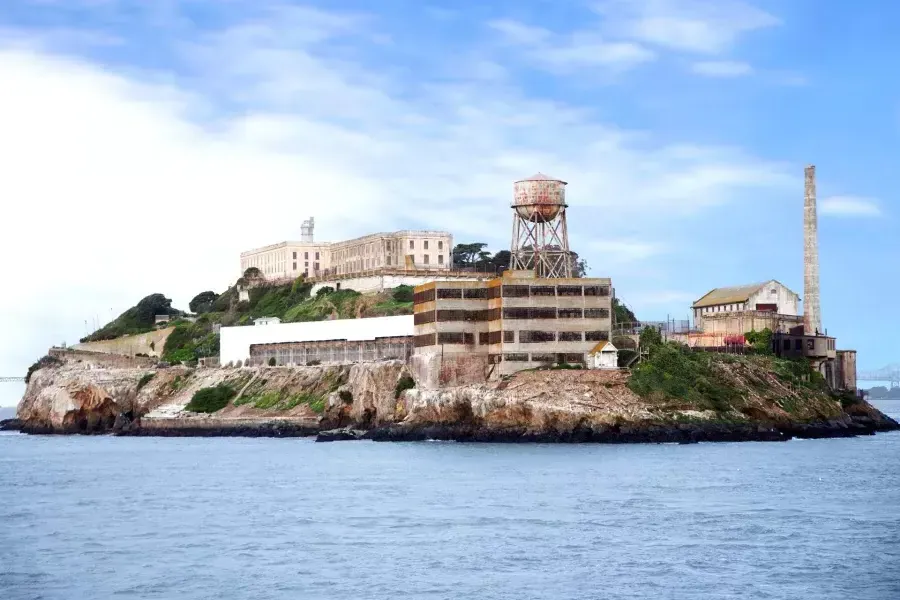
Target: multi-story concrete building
{"points": [[424, 250], [287, 260], [467, 331], [400, 250]]}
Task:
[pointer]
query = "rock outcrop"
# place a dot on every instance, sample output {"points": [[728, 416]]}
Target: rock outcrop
{"points": [[87, 394]]}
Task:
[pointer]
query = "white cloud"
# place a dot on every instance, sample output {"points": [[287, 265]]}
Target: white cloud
{"points": [[698, 26], [722, 68], [564, 53], [849, 206], [120, 185]]}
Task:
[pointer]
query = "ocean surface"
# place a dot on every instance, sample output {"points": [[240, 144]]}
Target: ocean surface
{"points": [[104, 517]]}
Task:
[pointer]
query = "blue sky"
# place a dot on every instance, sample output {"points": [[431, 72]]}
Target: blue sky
{"points": [[145, 144]]}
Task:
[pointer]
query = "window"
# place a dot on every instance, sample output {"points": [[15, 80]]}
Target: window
{"points": [[571, 336], [476, 293], [425, 258], [596, 313], [451, 337], [306, 256], [425, 245], [798, 344], [306, 264], [515, 291], [421, 318], [295, 263], [787, 344], [440, 259], [388, 260], [295, 256], [509, 337], [810, 344], [596, 336], [515, 357], [316, 266], [570, 313], [412, 245], [440, 245], [449, 293], [536, 337], [424, 340], [543, 290], [569, 290]]}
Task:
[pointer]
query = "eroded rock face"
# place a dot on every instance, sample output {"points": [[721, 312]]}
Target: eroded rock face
{"points": [[58, 402]]}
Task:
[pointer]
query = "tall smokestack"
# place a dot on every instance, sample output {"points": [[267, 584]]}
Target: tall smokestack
{"points": [[812, 317]]}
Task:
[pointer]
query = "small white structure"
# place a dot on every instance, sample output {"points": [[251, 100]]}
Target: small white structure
{"points": [[603, 356], [267, 321], [235, 342]]}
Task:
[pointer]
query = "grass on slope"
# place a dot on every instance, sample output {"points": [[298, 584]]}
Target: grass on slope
{"points": [[675, 375]]}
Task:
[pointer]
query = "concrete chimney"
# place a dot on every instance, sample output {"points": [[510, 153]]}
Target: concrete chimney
{"points": [[812, 316]]}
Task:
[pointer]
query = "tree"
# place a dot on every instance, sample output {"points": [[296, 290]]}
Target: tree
{"points": [[623, 313], [203, 302], [467, 255], [252, 273], [155, 304], [501, 260], [579, 265]]}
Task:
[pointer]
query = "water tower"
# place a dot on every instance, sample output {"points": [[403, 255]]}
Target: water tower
{"points": [[540, 239]]}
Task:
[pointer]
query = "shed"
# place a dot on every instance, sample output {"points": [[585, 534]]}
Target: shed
{"points": [[603, 356]]}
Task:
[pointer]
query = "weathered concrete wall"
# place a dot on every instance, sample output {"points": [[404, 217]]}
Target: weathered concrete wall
{"points": [[151, 344], [100, 359], [432, 371]]}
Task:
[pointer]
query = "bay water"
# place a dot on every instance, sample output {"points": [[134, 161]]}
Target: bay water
{"points": [[197, 518]]}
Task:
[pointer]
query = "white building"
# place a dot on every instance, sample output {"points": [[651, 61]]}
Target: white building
{"points": [[371, 254], [339, 340], [603, 356], [770, 296]]}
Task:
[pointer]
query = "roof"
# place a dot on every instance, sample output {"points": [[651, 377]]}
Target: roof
{"points": [[603, 347], [729, 295], [540, 177]]}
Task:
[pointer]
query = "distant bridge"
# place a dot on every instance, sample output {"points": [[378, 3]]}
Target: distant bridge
{"points": [[890, 374], [12, 380]]}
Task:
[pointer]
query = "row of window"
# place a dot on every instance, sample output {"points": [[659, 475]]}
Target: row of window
{"points": [[511, 291], [721, 308], [412, 245], [513, 312], [486, 338], [306, 256], [572, 359]]}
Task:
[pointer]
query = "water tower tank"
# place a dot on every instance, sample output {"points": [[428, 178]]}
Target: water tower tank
{"points": [[539, 198]]}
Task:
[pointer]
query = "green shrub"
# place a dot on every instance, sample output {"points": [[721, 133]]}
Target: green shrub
{"points": [[145, 380], [272, 362], [346, 396], [404, 383], [323, 291], [313, 363], [210, 400], [674, 372], [402, 293], [760, 341], [140, 318], [42, 363]]}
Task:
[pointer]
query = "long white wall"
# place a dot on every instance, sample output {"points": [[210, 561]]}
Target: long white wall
{"points": [[234, 343]]}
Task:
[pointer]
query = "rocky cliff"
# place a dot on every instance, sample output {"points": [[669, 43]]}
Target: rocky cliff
{"points": [[92, 394]]}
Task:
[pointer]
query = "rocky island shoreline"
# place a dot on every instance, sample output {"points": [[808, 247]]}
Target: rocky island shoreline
{"points": [[742, 399]]}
